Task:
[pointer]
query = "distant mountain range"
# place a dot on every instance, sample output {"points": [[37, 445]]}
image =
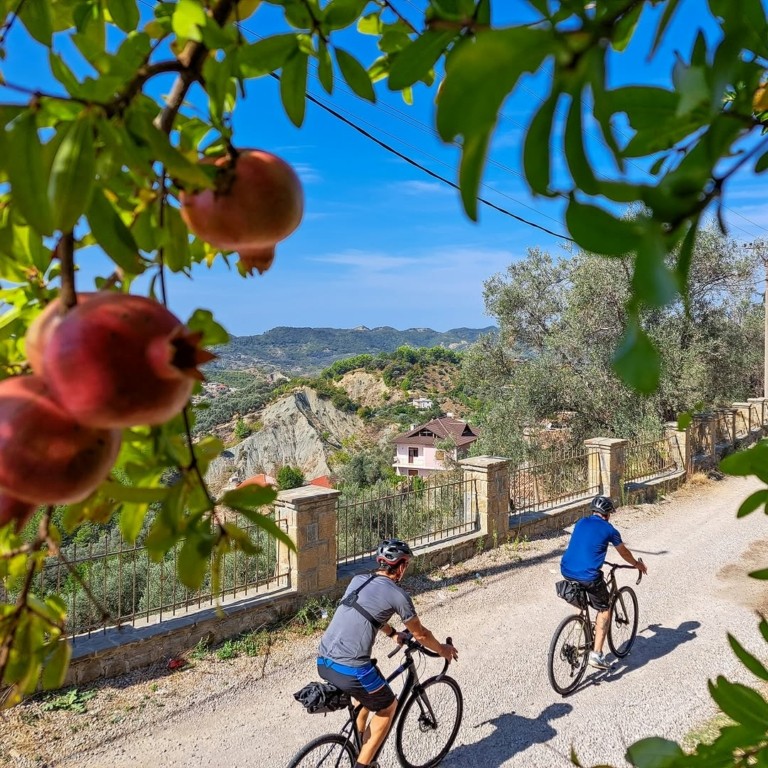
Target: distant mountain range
{"points": [[309, 350]]}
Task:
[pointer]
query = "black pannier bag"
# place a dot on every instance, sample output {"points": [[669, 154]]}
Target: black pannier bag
{"points": [[571, 592], [322, 697]]}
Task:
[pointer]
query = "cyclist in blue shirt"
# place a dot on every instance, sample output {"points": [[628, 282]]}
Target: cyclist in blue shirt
{"points": [[583, 559]]}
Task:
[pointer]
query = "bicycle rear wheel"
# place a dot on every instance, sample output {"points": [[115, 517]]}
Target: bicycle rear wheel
{"points": [[568, 654], [623, 627], [429, 723], [330, 751]]}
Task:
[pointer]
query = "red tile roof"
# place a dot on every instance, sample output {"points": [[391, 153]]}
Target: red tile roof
{"points": [[259, 480], [324, 481], [439, 429]]}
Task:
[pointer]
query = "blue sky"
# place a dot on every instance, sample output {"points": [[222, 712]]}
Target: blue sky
{"points": [[381, 242]]}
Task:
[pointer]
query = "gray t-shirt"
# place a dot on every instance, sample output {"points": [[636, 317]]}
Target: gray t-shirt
{"points": [[349, 637]]}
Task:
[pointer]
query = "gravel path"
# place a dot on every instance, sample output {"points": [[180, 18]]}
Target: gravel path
{"points": [[501, 610]]}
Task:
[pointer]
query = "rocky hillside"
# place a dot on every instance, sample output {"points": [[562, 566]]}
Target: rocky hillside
{"points": [[300, 429]]}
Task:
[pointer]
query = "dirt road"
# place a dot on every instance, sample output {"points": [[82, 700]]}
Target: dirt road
{"points": [[501, 614]]}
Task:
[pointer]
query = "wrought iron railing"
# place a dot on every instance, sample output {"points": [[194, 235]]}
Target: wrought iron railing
{"points": [[549, 481], [106, 581], [431, 511], [651, 458]]}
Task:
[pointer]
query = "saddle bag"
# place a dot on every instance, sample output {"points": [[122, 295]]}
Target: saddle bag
{"points": [[571, 592], [322, 697]]}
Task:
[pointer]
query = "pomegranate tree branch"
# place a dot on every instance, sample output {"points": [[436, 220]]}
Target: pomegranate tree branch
{"points": [[65, 250], [7, 26], [191, 59]]}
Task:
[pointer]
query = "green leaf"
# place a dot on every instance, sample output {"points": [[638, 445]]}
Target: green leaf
{"points": [[124, 13], [355, 74], [134, 493], [537, 148], [266, 55], [489, 68], [470, 172], [56, 665], [341, 13], [752, 502], [213, 333], [370, 24], [36, 17], [654, 752], [293, 87], [740, 703], [761, 574], [753, 664], [188, 19], [598, 231], [762, 163], [241, 537], [27, 173], [414, 62], [132, 518], [324, 66], [653, 282], [624, 29], [113, 235], [193, 560], [579, 165], [175, 241], [70, 186], [249, 497], [666, 17], [636, 361]]}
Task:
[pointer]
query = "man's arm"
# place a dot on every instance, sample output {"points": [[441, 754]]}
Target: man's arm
{"points": [[428, 640], [623, 550]]}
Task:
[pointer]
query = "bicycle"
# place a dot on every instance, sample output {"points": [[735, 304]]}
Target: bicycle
{"points": [[575, 635], [426, 721]]}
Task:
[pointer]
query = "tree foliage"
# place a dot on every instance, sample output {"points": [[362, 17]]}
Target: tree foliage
{"points": [[100, 160], [560, 319]]}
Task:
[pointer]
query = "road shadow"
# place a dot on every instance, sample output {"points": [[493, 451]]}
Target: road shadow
{"points": [[512, 734], [662, 641]]}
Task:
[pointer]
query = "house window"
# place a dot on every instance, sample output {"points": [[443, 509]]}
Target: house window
{"points": [[413, 473], [413, 453]]}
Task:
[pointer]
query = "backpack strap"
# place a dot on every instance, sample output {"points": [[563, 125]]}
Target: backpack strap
{"points": [[350, 601]]}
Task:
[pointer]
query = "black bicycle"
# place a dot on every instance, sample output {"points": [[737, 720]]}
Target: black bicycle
{"points": [[426, 721], [575, 636]]}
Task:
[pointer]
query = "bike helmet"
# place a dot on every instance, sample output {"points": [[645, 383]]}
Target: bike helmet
{"points": [[602, 505], [392, 551]]}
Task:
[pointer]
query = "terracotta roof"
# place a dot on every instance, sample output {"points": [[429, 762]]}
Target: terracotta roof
{"points": [[439, 429], [259, 480], [324, 481]]}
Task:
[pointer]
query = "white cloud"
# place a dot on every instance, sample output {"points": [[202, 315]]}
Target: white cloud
{"points": [[307, 173], [415, 187]]}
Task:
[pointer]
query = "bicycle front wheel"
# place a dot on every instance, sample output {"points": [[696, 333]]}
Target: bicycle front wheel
{"points": [[429, 723], [568, 654], [330, 751], [623, 627]]}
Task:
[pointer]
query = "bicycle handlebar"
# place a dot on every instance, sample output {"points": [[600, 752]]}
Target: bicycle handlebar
{"points": [[613, 566], [411, 645]]}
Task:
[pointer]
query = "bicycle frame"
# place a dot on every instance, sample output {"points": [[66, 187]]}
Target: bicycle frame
{"points": [[412, 682]]}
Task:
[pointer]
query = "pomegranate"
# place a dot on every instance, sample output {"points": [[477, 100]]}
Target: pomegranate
{"points": [[41, 328], [46, 457], [119, 360], [257, 201], [15, 511]]}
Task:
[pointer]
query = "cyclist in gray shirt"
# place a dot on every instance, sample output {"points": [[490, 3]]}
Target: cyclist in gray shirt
{"points": [[344, 656]]}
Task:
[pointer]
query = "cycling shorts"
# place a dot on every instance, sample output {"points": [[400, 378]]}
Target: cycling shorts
{"points": [[366, 683], [597, 593]]}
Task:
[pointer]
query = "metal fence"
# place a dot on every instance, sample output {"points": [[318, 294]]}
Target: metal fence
{"points": [[105, 581], [430, 511], [554, 479], [650, 458]]}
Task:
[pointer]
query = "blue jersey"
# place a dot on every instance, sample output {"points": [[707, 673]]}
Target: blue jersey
{"points": [[586, 550]]}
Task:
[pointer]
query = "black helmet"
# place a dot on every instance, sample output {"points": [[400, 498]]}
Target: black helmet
{"points": [[602, 505], [392, 551]]}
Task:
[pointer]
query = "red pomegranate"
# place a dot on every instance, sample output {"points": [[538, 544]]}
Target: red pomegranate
{"points": [[119, 360], [41, 328], [257, 202], [46, 457], [15, 511]]}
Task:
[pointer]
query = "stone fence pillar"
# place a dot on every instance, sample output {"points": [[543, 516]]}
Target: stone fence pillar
{"points": [[742, 418], [679, 445], [490, 477], [758, 411], [607, 460], [310, 512]]}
